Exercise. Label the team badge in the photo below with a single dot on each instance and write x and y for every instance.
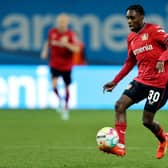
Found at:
(144, 37)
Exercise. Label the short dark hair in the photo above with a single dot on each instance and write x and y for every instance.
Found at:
(138, 8)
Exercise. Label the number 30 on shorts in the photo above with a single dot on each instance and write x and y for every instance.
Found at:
(153, 96)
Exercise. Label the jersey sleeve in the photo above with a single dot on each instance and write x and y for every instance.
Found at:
(127, 67)
(164, 56)
(74, 38)
(159, 34)
(161, 37)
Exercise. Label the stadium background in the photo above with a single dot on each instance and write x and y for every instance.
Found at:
(103, 29)
(32, 134)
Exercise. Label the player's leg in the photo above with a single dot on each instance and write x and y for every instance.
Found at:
(162, 147)
(67, 80)
(121, 124)
(157, 130)
(164, 98)
(153, 126)
(154, 99)
(55, 74)
(67, 95)
(55, 89)
(132, 94)
(120, 116)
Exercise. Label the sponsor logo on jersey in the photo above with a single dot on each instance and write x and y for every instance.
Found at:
(143, 49)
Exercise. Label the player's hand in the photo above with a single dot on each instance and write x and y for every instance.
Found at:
(160, 66)
(64, 41)
(54, 43)
(44, 55)
(108, 87)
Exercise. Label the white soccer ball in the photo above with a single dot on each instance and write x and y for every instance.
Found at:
(107, 137)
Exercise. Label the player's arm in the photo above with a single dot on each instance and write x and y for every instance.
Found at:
(44, 53)
(72, 45)
(164, 55)
(162, 38)
(162, 59)
(127, 67)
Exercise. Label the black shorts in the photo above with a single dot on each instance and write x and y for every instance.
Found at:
(156, 97)
(66, 75)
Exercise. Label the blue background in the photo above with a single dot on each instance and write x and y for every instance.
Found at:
(101, 25)
(104, 29)
(88, 82)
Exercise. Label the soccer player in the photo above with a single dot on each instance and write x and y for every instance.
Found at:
(147, 47)
(62, 43)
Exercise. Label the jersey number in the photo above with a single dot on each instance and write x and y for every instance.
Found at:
(153, 96)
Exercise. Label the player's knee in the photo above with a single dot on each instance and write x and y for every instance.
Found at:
(147, 123)
(119, 106)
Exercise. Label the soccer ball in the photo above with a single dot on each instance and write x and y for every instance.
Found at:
(107, 137)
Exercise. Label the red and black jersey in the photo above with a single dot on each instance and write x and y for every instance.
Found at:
(61, 57)
(145, 48)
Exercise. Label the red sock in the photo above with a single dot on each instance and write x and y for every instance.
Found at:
(121, 129)
(161, 135)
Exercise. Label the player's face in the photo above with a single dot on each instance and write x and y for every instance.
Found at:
(62, 23)
(135, 20)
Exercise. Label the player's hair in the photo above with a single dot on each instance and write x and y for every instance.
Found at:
(138, 8)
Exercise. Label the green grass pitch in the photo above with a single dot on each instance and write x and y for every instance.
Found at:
(40, 139)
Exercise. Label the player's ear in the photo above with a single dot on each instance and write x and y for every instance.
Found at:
(142, 17)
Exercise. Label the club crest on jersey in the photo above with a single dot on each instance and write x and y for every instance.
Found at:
(144, 37)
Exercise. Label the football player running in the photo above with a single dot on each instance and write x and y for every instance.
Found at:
(147, 48)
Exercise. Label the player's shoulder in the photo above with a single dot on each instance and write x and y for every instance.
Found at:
(131, 35)
(52, 30)
(71, 32)
(153, 27)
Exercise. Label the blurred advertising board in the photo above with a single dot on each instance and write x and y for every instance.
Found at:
(30, 87)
